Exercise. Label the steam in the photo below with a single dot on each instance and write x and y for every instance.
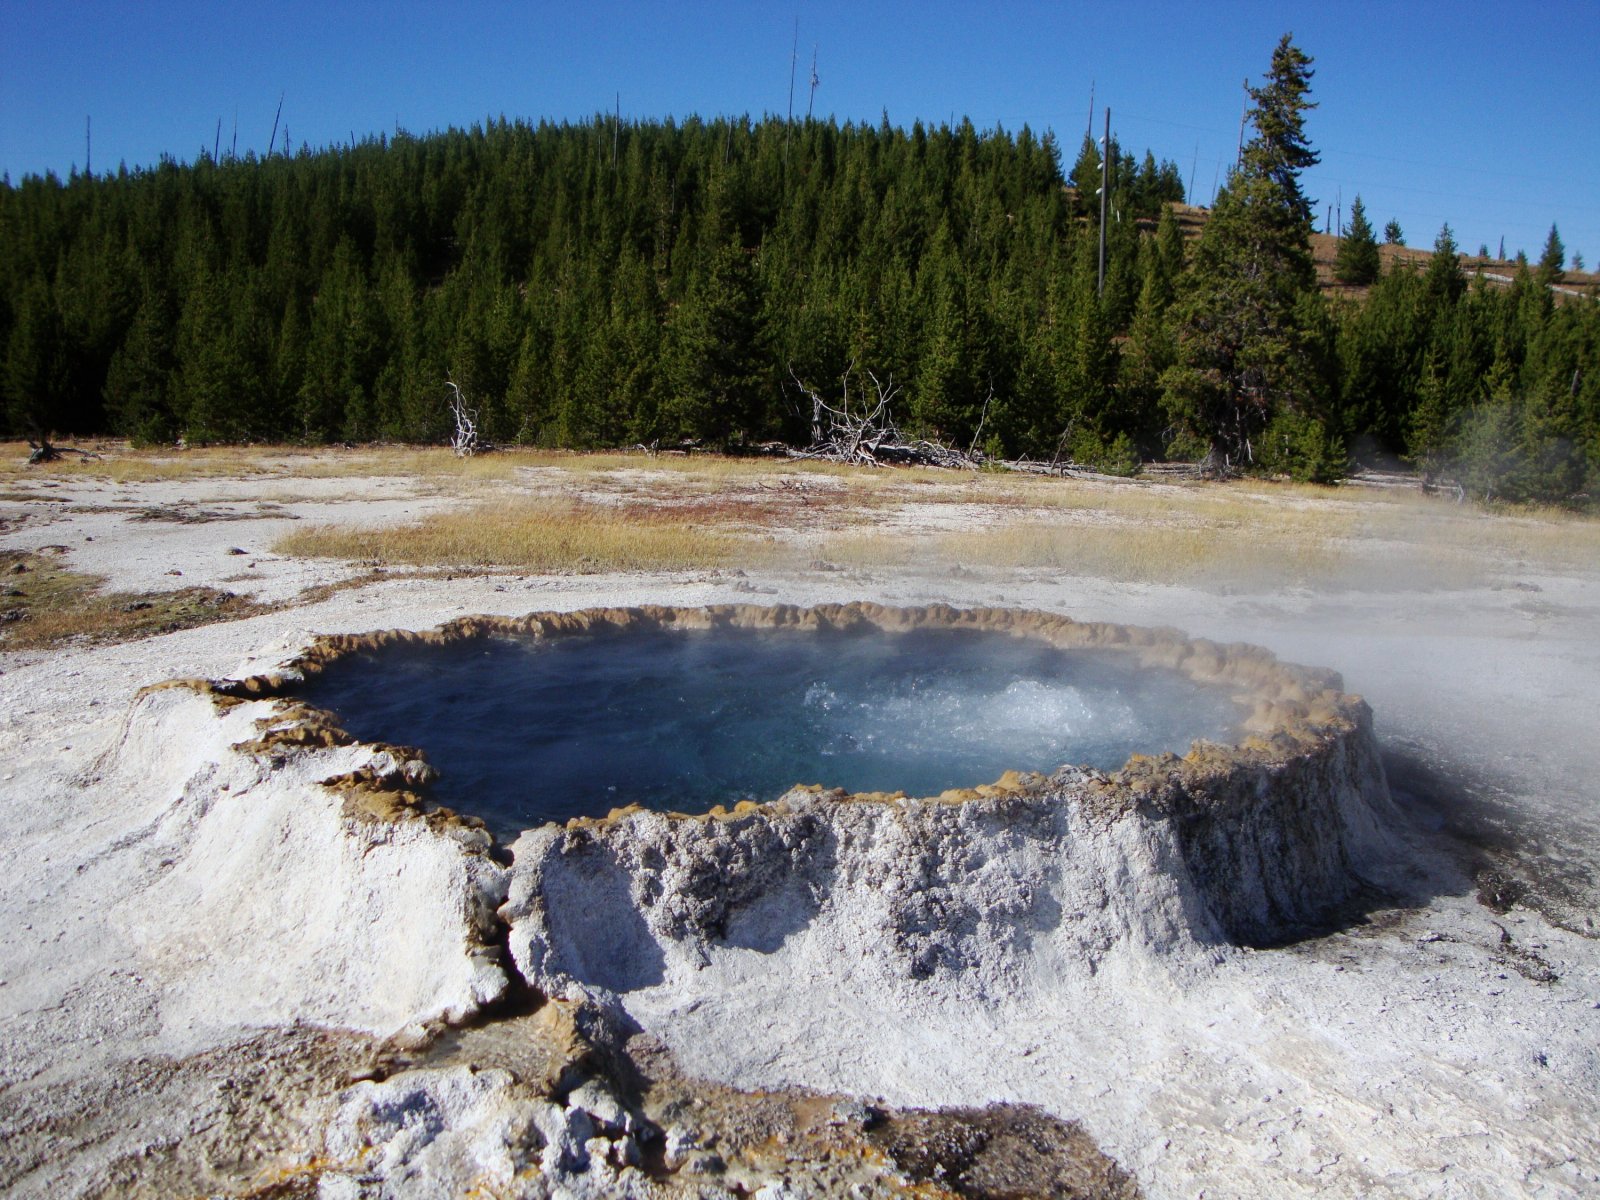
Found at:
(940, 717)
(526, 732)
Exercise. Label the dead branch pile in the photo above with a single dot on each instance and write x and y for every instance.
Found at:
(862, 430)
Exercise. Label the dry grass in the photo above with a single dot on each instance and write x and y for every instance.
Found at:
(708, 512)
(120, 463)
(1459, 544)
(1156, 554)
(635, 511)
(1250, 535)
(534, 535)
(712, 467)
(44, 605)
(1128, 532)
(1288, 552)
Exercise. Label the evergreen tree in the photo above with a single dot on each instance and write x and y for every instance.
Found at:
(206, 379)
(1085, 177)
(1150, 350)
(1245, 343)
(1431, 422)
(1357, 262)
(36, 364)
(1392, 234)
(288, 367)
(714, 354)
(1486, 451)
(1380, 347)
(944, 393)
(341, 347)
(1169, 253)
(1553, 261)
(1086, 366)
(1443, 281)
(1279, 150)
(138, 379)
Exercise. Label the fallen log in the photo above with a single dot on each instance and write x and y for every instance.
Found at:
(41, 451)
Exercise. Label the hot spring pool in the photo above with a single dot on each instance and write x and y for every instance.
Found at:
(527, 730)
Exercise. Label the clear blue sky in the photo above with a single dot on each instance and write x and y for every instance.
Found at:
(1483, 115)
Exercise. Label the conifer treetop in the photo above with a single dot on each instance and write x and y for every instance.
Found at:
(1279, 151)
(1357, 261)
(1552, 260)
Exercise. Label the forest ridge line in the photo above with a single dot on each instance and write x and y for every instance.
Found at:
(603, 283)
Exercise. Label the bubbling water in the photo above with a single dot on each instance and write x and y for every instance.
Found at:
(526, 731)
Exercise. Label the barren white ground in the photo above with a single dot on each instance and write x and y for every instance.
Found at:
(1407, 1057)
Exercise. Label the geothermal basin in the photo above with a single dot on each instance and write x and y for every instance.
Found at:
(934, 856)
(979, 788)
(526, 729)
(625, 743)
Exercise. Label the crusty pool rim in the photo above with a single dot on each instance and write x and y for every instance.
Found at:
(1289, 708)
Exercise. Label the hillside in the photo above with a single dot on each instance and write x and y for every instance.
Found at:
(1325, 248)
(696, 283)
(1497, 271)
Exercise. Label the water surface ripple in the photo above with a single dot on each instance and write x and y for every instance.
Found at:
(526, 731)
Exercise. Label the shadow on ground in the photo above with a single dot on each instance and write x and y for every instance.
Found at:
(1494, 838)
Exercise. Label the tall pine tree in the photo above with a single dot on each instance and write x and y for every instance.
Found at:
(1247, 318)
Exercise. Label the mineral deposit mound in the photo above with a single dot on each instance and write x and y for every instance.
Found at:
(720, 799)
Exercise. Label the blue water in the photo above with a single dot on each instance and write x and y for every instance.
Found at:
(525, 732)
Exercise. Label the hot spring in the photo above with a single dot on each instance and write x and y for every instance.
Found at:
(526, 730)
(986, 796)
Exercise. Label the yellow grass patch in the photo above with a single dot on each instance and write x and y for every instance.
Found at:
(708, 466)
(534, 535)
(121, 463)
(1127, 532)
(1445, 545)
(1250, 534)
(1156, 553)
(1117, 550)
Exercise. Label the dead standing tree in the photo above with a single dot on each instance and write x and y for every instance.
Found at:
(863, 430)
(465, 440)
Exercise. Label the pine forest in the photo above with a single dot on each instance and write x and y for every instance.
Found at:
(606, 284)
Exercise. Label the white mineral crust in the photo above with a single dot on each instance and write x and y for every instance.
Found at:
(165, 894)
(265, 903)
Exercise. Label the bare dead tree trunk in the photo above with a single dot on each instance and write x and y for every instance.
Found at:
(972, 448)
(275, 117)
(465, 441)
